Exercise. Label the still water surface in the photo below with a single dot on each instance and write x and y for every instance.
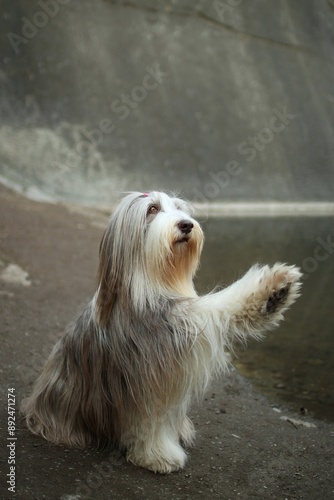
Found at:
(294, 365)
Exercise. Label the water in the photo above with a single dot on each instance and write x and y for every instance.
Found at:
(294, 365)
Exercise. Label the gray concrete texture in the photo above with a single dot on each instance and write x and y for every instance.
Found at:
(221, 101)
(247, 447)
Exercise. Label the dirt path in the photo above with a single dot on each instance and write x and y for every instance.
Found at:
(244, 449)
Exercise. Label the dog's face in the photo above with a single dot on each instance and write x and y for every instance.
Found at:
(173, 239)
(151, 241)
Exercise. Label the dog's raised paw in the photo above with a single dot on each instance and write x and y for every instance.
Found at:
(277, 298)
(285, 286)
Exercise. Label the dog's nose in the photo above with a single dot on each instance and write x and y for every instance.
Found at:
(185, 226)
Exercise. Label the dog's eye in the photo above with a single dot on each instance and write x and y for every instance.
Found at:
(153, 209)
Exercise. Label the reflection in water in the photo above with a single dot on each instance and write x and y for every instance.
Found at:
(294, 365)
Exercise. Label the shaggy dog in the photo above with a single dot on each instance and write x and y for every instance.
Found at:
(126, 369)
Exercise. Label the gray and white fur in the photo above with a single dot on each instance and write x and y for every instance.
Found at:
(126, 370)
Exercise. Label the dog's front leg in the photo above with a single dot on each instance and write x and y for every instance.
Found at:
(154, 443)
(257, 301)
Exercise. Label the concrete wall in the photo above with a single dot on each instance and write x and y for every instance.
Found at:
(222, 101)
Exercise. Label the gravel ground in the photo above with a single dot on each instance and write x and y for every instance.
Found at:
(245, 447)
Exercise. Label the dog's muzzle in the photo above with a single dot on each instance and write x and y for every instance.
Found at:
(185, 227)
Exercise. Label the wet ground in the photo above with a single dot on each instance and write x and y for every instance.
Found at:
(249, 445)
(294, 365)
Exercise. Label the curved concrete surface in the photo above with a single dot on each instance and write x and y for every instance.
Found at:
(221, 101)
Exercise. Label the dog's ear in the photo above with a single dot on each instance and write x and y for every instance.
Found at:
(108, 279)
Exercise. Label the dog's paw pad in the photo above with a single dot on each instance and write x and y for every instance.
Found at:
(277, 298)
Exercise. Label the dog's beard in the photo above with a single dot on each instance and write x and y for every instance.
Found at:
(172, 257)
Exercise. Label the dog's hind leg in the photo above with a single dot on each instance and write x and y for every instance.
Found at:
(187, 432)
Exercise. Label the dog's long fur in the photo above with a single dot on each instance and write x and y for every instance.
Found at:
(125, 371)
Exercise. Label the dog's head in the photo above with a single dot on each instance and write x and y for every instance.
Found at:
(151, 248)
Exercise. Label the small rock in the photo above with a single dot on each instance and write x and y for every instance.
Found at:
(297, 423)
(15, 275)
